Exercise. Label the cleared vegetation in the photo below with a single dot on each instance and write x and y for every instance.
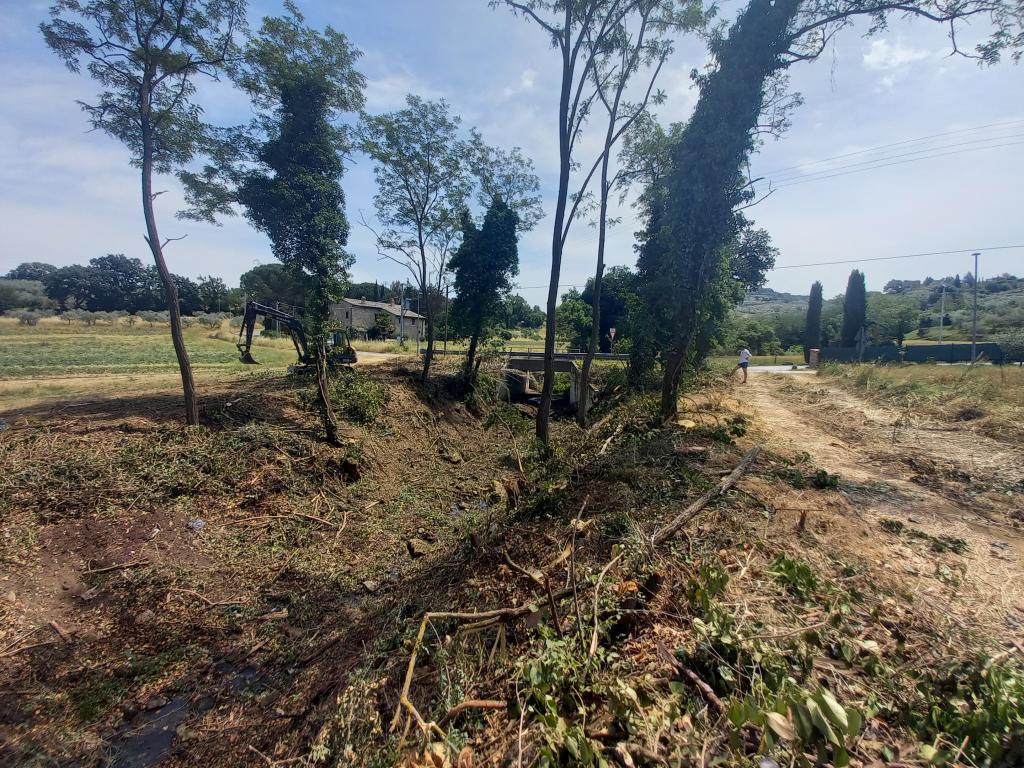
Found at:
(243, 589)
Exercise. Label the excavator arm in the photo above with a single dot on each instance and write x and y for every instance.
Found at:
(254, 309)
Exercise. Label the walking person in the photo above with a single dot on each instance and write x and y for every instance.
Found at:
(745, 356)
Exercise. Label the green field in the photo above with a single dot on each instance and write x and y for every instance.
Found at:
(55, 348)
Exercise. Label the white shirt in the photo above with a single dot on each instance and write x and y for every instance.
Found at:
(745, 356)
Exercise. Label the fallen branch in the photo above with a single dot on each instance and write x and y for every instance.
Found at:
(61, 633)
(121, 567)
(670, 529)
(461, 707)
(706, 691)
(304, 515)
(210, 603)
(16, 651)
(612, 436)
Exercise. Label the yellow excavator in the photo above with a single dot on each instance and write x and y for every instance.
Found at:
(338, 354)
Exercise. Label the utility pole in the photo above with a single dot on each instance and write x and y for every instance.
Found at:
(974, 313)
(401, 317)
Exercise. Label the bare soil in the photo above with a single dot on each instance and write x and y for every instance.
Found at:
(942, 479)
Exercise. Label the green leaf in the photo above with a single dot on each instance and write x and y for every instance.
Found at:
(928, 752)
(802, 718)
(820, 722)
(854, 718)
(832, 709)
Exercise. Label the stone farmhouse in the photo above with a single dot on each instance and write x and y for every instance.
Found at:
(359, 316)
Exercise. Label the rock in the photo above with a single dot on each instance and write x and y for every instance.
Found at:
(498, 492)
(371, 586)
(417, 547)
(129, 709)
(196, 525)
(185, 733)
(394, 576)
(12, 598)
(154, 703)
(145, 617)
(452, 455)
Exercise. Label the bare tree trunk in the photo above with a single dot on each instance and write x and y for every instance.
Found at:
(424, 275)
(326, 410)
(670, 385)
(171, 291)
(595, 314)
(565, 168)
(474, 341)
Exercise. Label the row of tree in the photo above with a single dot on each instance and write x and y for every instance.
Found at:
(442, 190)
(111, 283)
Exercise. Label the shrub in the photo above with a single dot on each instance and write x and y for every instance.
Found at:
(27, 316)
(356, 397)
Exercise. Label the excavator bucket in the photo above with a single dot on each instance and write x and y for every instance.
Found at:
(247, 358)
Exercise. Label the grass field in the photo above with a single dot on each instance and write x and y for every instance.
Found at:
(991, 396)
(55, 348)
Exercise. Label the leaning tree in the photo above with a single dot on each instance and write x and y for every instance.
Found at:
(146, 56)
(745, 83)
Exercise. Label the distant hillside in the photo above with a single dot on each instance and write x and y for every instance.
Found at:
(768, 300)
(770, 321)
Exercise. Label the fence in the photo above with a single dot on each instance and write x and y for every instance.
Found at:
(913, 353)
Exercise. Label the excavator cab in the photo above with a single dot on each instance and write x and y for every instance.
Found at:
(340, 352)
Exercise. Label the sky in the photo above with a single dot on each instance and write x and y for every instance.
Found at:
(948, 177)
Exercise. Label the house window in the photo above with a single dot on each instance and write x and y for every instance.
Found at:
(346, 314)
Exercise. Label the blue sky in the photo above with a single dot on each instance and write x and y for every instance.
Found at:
(67, 195)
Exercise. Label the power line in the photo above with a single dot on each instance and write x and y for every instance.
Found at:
(905, 256)
(983, 249)
(898, 162)
(895, 144)
(794, 177)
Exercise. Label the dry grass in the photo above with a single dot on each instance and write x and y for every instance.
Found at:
(294, 608)
(990, 398)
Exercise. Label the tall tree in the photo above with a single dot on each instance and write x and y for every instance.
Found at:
(294, 193)
(642, 44)
(423, 180)
(213, 293)
(275, 282)
(812, 326)
(743, 94)
(425, 174)
(31, 270)
(581, 32)
(855, 309)
(484, 265)
(147, 56)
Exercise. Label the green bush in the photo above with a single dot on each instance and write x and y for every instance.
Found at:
(356, 397)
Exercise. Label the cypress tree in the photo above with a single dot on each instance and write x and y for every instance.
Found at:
(855, 309)
(812, 327)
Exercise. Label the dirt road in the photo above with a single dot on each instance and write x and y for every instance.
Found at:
(936, 478)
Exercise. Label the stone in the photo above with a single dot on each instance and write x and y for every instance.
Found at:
(417, 547)
(498, 492)
(371, 586)
(154, 702)
(12, 598)
(145, 617)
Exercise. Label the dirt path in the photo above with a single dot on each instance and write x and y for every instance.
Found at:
(939, 479)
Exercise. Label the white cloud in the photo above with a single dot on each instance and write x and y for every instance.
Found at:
(527, 80)
(884, 56)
